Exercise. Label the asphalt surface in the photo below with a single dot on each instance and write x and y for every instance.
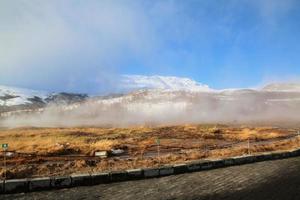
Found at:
(279, 179)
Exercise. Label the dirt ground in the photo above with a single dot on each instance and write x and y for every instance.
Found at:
(35, 152)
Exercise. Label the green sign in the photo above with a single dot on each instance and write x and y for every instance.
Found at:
(157, 141)
(4, 146)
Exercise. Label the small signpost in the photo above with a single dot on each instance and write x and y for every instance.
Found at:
(157, 141)
(4, 147)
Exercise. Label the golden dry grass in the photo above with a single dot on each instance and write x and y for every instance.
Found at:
(137, 141)
(87, 140)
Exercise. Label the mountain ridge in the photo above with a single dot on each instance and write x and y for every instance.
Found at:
(149, 89)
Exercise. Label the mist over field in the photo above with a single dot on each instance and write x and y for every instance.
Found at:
(159, 107)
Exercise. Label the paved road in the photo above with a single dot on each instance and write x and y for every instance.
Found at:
(278, 179)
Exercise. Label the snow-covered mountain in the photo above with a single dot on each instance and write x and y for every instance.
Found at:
(135, 82)
(158, 106)
(13, 98)
(154, 99)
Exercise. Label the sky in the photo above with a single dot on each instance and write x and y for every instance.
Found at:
(86, 45)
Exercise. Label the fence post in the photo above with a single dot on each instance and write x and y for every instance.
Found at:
(4, 165)
(248, 146)
(158, 150)
(4, 147)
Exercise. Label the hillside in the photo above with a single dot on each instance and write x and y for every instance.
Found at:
(169, 103)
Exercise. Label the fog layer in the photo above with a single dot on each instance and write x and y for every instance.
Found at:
(167, 107)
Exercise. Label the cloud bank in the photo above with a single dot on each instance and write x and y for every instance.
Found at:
(77, 44)
(83, 46)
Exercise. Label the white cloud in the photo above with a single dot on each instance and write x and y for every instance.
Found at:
(79, 39)
(80, 45)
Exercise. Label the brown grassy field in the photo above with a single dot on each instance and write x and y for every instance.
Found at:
(61, 151)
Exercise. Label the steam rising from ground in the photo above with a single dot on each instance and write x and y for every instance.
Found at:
(168, 107)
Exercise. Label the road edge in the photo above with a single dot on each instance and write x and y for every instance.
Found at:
(49, 183)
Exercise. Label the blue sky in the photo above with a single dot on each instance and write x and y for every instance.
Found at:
(84, 46)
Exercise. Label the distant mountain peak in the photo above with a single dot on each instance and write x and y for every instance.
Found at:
(134, 82)
(12, 98)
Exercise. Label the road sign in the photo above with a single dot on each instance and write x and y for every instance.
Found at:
(157, 141)
(5, 146)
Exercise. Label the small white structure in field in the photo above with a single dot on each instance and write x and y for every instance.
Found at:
(102, 154)
(9, 154)
(117, 151)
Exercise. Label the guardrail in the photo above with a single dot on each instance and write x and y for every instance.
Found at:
(47, 183)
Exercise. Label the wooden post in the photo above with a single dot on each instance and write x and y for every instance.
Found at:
(4, 147)
(158, 150)
(4, 164)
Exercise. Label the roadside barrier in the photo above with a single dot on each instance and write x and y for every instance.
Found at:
(47, 183)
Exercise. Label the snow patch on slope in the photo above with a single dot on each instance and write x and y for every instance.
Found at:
(134, 82)
(11, 96)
